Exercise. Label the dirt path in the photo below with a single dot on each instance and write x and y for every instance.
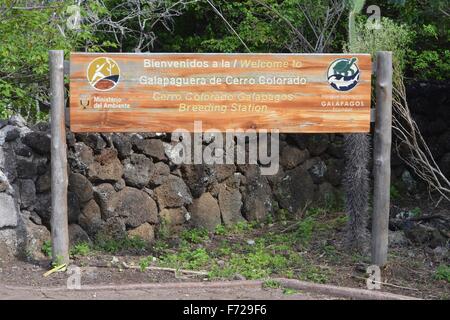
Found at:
(22, 280)
(237, 290)
(229, 256)
(218, 290)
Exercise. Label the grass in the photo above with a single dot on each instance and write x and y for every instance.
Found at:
(230, 254)
(195, 235)
(160, 246)
(46, 248)
(289, 291)
(309, 249)
(144, 263)
(242, 226)
(238, 228)
(305, 229)
(80, 249)
(185, 259)
(102, 243)
(394, 192)
(114, 245)
(220, 230)
(443, 273)
(271, 284)
(416, 212)
(314, 274)
(163, 229)
(282, 215)
(330, 252)
(271, 252)
(256, 264)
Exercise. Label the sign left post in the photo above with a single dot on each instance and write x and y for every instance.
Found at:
(59, 184)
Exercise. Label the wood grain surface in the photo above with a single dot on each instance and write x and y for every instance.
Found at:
(224, 91)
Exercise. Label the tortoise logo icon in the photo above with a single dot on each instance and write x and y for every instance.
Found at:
(343, 74)
(103, 73)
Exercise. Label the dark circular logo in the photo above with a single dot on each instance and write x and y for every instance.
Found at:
(343, 74)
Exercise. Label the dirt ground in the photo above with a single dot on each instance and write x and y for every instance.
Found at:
(417, 282)
(231, 290)
(411, 269)
(25, 281)
(108, 283)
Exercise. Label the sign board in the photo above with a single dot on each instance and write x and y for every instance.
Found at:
(162, 92)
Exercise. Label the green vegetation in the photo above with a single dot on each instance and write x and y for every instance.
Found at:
(314, 274)
(272, 284)
(160, 246)
(394, 192)
(418, 32)
(245, 249)
(163, 229)
(391, 37)
(251, 25)
(282, 215)
(305, 229)
(416, 212)
(428, 56)
(330, 252)
(46, 248)
(241, 227)
(25, 38)
(443, 273)
(195, 235)
(255, 263)
(114, 245)
(289, 291)
(220, 230)
(334, 201)
(185, 259)
(237, 228)
(144, 263)
(80, 249)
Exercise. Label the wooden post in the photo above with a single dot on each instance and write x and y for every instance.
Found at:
(382, 158)
(59, 218)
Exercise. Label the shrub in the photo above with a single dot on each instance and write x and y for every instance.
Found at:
(443, 273)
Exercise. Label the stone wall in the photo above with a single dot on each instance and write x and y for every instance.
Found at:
(24, 179)
(126, 184)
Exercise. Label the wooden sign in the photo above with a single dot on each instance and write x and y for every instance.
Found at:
(161, 92)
